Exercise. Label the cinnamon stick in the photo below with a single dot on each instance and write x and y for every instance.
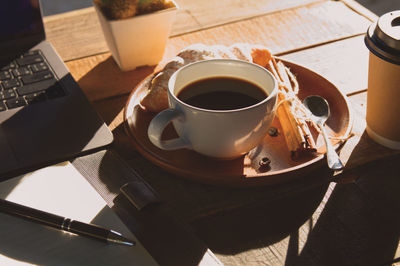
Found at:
(290, 111)
(287, 128)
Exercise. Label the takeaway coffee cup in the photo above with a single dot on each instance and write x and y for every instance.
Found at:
(383, 97)
(220, 108)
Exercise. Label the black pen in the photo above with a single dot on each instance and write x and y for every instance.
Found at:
(65, 224)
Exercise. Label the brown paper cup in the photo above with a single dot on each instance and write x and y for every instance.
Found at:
(383, 102)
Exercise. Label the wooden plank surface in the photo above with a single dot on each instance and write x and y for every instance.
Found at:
(309, 221)
(330, 61)
(75, 34)
(360, 9)
(281, 32)
(78, 33)
(206, 14)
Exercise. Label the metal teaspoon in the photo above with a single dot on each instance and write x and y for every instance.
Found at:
(319, 109)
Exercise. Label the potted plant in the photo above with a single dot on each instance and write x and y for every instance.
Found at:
(136, 31)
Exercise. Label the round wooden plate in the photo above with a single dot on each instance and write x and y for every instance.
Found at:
(245, 171)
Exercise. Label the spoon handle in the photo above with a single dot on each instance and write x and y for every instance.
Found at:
(332, 157)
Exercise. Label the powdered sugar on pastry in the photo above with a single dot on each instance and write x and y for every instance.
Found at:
(241, 51)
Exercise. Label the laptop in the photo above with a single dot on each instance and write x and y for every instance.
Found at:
(45, 117)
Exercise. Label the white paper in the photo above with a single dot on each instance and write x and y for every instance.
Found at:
(62, 190)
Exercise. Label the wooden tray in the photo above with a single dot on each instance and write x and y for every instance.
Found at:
(244, 171)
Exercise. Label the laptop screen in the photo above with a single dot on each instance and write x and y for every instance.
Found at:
(20, 23)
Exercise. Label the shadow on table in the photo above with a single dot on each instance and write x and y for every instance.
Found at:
(356, 223)
(366, 153)
(106, 80)
(359, 224)
(265, 223)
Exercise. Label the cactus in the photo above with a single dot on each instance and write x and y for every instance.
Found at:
(120, 9)
(148, 6)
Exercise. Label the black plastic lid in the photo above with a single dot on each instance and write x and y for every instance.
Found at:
(383, 37)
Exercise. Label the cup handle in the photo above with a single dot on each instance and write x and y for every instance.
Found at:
(157, 126)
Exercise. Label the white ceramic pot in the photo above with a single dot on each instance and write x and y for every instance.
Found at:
(139, 40)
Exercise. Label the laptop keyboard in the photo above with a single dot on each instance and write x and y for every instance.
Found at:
(27, 80)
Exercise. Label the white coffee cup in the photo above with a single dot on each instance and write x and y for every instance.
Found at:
(223, 134)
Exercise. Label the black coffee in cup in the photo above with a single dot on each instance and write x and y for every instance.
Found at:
(222, 93)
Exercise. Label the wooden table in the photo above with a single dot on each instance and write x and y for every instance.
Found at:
(349, 218)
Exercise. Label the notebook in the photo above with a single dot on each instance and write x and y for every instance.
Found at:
(62, 190)
(44, 116)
